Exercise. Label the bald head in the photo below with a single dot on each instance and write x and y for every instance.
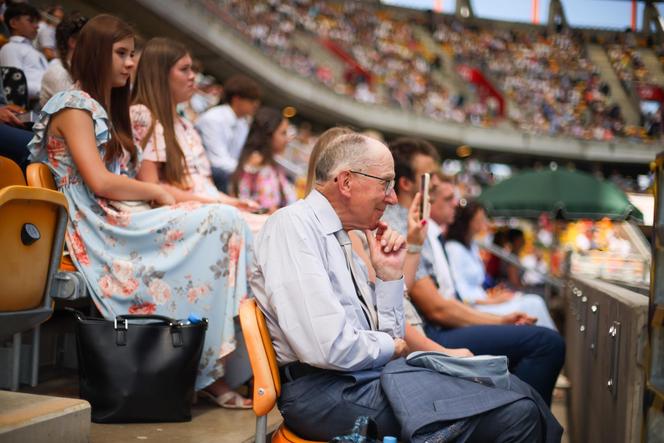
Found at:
(350, 152)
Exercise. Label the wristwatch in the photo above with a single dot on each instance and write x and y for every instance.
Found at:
(412, 248)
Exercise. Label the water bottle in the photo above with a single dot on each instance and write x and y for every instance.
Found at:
(389, 439)
(364, 431)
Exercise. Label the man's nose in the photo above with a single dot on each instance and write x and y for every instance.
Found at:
(391, 197)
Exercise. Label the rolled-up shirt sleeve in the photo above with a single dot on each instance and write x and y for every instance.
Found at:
(389, 304)
(311, 316)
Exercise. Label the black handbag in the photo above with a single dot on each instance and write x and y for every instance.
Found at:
(138, 368)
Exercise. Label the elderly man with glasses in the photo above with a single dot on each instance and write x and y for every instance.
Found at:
(338, 337)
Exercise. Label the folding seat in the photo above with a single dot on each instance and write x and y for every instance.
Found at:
(32, 228)
(267, 384)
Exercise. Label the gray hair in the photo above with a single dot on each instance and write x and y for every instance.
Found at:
(348, 151)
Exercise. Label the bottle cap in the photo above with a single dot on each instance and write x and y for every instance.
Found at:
(389, 439)
(194, 318)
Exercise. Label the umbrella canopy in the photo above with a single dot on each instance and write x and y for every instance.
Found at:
(562, 193)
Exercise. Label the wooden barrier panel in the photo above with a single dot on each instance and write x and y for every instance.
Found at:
(606, 333)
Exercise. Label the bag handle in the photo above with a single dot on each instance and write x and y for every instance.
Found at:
(121, 325)
(128, 317)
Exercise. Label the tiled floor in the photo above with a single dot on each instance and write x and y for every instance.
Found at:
(209, 424)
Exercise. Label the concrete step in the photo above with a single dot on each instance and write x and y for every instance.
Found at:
(319, 54)
(446, 76)
(627, 103)
(39, 418)
(653, 65)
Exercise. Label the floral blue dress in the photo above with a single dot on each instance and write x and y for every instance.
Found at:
(173, 260)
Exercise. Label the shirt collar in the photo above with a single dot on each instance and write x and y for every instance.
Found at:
(20, 39)
(324, 212)
(434, 228)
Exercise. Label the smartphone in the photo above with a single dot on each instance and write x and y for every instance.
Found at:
(425, 204)
(27, 117)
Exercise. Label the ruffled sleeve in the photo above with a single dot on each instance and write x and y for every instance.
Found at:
(71, 99)
(141, 120)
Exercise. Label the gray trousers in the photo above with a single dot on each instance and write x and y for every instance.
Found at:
(325, 405)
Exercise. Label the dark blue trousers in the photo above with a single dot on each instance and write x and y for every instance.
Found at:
(536, 354)
(14, 144)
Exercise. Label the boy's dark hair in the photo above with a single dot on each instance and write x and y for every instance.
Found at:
(403, 150)
(18, 9)
(242, 87)
(68, 28)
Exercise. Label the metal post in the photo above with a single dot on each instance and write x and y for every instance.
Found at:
(16, 361)
(34, 373)
(261, 429)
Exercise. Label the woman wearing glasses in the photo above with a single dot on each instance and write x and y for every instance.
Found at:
(258, 177)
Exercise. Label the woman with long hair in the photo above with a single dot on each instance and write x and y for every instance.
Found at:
(466, 265)
(172, 259)
(173, 153)
(258, 176)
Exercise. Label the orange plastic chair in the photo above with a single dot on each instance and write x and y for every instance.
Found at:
(32, 229)
(267, 385)
(39, 176)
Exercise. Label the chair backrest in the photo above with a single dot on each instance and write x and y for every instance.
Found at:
(15, 85)
(39, 176)
(10, 173)
(32, 226)
(267, 385)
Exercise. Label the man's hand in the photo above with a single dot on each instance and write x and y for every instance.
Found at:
(518, 318)
(400, 348)
(499, 295)
(387, 250)
(9, 117)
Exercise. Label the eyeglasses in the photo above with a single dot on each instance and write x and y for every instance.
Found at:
(389, 182)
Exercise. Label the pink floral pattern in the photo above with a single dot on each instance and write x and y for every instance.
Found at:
(268, 186)
(174, 261)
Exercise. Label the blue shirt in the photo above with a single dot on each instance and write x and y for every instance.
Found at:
(305, 289)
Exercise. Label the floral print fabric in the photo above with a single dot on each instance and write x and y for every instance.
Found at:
(268, 186)
(173, 260)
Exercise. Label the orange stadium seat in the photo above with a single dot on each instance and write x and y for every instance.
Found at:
(267, 385)
(39, 176)
(32, 228)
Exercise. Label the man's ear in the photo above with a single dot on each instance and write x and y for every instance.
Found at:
(343, 183)
(9, 24)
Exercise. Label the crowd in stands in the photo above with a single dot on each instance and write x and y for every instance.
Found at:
(551, 85)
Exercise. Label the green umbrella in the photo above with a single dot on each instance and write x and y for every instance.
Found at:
(561, 193)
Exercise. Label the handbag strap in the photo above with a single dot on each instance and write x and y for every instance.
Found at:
(128, 317)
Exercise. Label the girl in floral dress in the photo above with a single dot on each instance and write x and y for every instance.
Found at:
(172, 152)
(174, 259)
(258, 176)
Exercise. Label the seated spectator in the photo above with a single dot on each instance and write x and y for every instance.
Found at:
(469, 275)
(22, 20)
(14, 136)
(224, 128)
(536, 354)
(173, 154)
(258, 176)
(46, 39)
(57, 77)
(414, 334)
(173, 259)
(335, 335)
